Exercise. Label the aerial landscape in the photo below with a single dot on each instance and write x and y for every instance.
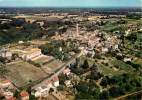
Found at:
(70, 50)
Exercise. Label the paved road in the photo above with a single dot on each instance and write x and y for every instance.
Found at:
(127, 95)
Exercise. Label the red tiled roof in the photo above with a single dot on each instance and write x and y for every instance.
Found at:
(24, 94)
(6, 81)
(55, 79)
(48, 82)
(12, 98)
(67, 70)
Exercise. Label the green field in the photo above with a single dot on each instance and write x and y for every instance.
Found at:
(106, 70)
(122, 65)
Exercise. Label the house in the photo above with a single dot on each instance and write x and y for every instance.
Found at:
(24, 95)
(127, 59)
(90, 52)
(41, 23)
(8, 95)
(12, 98)
(21, 42)
(4, 83)
(55, 81)
(41, 91)
(66, 71)
(105, 50)
(128, 32)
(68, 83)
(49, 84)
(5, 54)
(116, 47)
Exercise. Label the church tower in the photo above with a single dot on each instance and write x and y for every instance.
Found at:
(77, 30)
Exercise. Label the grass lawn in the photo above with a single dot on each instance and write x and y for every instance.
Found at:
(122, 65)
(22, 73)
(109, 28)
(106, 70)
(138, 61)
(133, 21)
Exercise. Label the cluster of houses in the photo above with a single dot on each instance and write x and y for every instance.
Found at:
(5, 87)
(7, 91)
(89, 42)
(43, 89)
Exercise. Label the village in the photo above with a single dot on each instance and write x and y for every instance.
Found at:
(86, 59)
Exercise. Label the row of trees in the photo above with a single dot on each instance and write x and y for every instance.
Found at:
(133, 16)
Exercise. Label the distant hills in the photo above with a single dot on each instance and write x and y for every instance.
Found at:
(67, 9)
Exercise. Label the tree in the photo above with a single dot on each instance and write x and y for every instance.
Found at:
(132, 37)
(128, 87)
(77, 63)
(16, 93)
(96, 93)
(13, 34)
(83, 96)
(81, 87)
(14, 56)
(86, 64)
(2, 60)
(60, 88)
(95, 75)
(51, 90)
(94, 67)
(3, 70)
(66, 57)
(29, 89)
(104, 81)
(104, 95)
(62, 79)
(116, 91)
(133, 16)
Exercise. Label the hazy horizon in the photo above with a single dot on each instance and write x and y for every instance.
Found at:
(72, 3)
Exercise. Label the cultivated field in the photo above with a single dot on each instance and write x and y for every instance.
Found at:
(22, 73)
(52, 66)
(44, 59)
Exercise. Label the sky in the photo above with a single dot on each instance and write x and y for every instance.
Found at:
(70, 3)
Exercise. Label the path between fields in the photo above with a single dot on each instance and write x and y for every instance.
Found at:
(124, 96)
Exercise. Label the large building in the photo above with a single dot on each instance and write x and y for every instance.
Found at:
(5, 54)
(30, 54)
